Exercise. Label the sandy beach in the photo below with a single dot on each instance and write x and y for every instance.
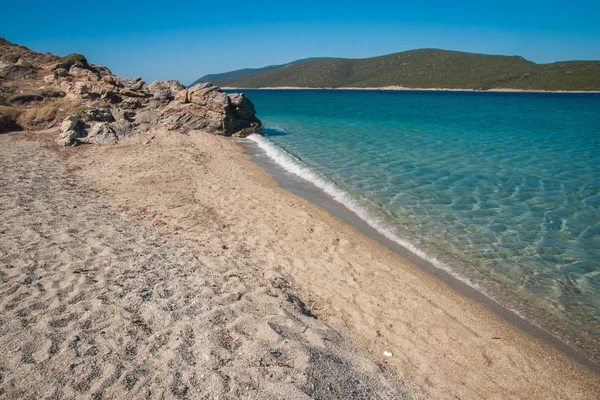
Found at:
(172, 266)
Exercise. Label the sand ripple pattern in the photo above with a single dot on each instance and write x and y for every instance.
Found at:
(97, 304)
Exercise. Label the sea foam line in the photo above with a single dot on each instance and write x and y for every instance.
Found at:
(291, 164)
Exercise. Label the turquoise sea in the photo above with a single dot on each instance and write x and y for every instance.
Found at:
(500, 189)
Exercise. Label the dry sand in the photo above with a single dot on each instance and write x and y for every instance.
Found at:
(184, 270)
(102, 300)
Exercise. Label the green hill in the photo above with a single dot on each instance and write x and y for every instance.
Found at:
(248, 71)
(428, 68)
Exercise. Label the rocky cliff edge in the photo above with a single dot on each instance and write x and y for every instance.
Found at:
(89, 104)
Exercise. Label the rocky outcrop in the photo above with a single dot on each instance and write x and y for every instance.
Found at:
(165, 91)
(17, 72)
(132, 107)
(68, 131)
(104, 108)
(241, 119)
(204, 106)
(91, 126)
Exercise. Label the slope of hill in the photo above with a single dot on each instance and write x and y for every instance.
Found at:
(90, 104)
(239, 73)
(429, 68)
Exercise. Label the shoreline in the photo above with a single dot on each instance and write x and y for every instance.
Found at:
(247, 236)
(526, 336)
(407, 89)
(314, 194)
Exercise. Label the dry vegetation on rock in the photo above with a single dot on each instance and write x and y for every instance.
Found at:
(42, 90)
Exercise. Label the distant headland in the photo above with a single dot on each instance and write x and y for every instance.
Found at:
(420, 69)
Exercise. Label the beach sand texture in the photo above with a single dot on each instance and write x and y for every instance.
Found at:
(102, 304)
(172, 266)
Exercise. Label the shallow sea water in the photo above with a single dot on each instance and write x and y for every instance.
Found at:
(502, 189)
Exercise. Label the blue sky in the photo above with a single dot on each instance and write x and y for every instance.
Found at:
(188, 39)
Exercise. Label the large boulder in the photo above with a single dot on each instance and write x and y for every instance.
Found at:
(97, 133)
(131, 83)
(138, 85)
(124, 107)
(91, 126)
(165, 90)
(18, 72)
(207, 94)
(68, 131)
(241, 117)
(182, 97)
(189, 117)
(205, 106)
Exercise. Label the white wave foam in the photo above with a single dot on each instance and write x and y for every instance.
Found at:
(298, 168)
(291, 164)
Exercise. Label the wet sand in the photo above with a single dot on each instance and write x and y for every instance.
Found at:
(212, 237)
(315, 195)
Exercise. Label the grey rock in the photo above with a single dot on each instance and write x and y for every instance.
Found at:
(205, 106)
(132, 103)
(102, 70)
(133, 93)
(139, 85)
(69, 123)
(179, 389)
(123, 128)
(98, 133)
(145, 118)
(132, 108)
(241, 117)
(112, 97)
(68, 130)
(18, 72)
(165, 90)
(187, 117)
(75, 130)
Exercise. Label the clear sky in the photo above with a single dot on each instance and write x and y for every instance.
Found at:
(185, 40)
